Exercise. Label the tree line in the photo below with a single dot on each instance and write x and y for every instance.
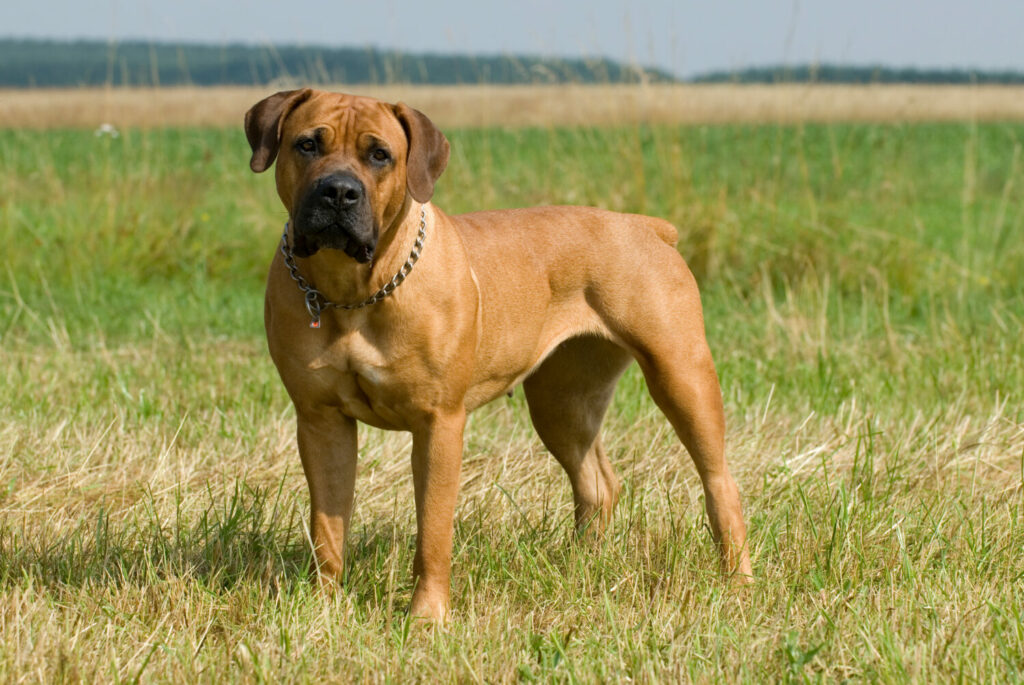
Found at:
(831, 73)
(46, 63)
(41, 63)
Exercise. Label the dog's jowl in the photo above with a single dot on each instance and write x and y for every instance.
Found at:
(383, 309)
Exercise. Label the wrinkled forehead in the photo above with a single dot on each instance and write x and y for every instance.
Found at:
(347, 115)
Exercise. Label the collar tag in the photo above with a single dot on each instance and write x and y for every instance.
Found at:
(313, 307)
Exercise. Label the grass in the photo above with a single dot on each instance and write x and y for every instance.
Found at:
(476, 106)
(863, 300)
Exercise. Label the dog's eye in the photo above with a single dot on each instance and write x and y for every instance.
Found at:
(380, 155)
(307, 145)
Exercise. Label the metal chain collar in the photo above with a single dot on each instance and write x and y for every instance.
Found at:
(315, 300)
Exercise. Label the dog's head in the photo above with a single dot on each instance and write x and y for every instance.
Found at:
(346, 165)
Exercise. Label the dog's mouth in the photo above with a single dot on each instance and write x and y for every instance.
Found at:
(352, 231)
(360, 252)
(333, 238)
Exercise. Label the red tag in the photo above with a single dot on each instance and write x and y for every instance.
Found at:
(315, 323)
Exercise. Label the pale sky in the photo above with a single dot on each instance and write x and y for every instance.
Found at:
(685, 37)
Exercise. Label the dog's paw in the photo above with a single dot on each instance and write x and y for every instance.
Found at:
(429, 607)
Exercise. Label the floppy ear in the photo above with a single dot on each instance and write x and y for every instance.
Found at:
(428, 152)
(263, 124)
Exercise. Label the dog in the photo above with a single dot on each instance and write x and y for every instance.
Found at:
(383, 309)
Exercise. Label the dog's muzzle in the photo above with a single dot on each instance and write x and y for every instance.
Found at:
(335, 214)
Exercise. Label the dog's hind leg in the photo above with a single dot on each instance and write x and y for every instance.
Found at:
(568, 395)
(685, 387)
(670, 345)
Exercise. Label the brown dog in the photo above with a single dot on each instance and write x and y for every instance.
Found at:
(559, 299)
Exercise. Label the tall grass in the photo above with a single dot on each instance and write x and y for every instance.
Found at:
(863, 301)
(536, 105)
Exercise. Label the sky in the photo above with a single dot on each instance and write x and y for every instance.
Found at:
(685, 37)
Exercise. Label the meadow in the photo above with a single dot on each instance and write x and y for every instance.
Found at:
(864, 302)
(535, 105)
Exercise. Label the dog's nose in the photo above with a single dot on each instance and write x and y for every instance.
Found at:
(342, 191)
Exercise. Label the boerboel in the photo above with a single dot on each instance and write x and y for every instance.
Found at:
(383, 309)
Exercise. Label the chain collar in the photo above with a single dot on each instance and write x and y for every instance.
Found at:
(315, 300)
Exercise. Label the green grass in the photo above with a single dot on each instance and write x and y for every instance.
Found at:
(865, 306)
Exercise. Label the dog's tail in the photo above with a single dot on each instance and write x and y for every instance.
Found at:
(664, 229)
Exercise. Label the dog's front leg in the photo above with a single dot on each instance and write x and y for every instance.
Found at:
(436, 463)
(328, 446)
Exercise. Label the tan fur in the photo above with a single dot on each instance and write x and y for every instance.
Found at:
(558, 299)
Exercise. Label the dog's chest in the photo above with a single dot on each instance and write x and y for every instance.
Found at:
(362, 381)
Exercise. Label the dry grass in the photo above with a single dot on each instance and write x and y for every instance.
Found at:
(481, 106)
(170, 550)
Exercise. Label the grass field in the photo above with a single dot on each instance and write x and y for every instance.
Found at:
(864, 301)
(537, 105)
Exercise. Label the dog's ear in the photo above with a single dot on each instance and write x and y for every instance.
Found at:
(428, 152)
(263, 124)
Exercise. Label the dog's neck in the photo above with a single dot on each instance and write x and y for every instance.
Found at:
(343, 280)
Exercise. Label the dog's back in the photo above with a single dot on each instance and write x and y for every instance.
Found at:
(555, 227)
